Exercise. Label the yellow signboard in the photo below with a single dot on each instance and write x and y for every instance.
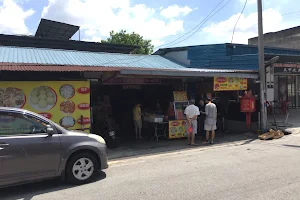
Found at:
(65, 102)
(177, 129)
(180, 96)
(230, 84)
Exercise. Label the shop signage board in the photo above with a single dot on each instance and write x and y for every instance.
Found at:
(135, 81)
(230, 84)
(177, 129)
(286, 70)
(180, 96)
(65, 102)
(131, 87)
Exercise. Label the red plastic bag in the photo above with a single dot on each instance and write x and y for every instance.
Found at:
(190, 129)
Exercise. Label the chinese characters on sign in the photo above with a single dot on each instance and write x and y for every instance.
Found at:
(290, 70)
(230, 84)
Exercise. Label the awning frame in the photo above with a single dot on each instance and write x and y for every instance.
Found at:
(190, 74)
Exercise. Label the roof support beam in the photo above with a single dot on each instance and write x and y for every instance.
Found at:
(184, 74)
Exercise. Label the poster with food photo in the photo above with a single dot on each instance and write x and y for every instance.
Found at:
(177, 129)
(65, 102)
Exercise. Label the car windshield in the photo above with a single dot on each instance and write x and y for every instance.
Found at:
(48, 120)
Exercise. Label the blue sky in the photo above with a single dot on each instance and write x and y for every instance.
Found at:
(161, 21)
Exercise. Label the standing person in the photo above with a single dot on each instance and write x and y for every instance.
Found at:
(171, 112)
(211, 120)
(137, 119)
(192, 113)
(202, 119)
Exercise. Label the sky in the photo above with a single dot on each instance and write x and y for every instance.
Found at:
(168, 23)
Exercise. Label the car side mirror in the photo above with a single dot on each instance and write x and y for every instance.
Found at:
(50, 130)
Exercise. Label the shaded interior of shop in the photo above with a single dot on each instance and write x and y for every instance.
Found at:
(117, 102)
(122, 99)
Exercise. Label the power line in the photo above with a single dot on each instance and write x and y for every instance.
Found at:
(238, 20)
(198, 27)
(291, 13)
(203, 21)
(200, 24)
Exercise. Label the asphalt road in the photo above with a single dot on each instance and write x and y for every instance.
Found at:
(254, 170)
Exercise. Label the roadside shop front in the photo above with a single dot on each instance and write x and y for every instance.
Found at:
(80, 102)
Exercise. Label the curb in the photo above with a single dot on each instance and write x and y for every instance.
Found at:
(193, 149)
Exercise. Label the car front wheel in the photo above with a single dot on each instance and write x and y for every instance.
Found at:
(81, 168)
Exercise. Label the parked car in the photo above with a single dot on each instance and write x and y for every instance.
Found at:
(34, 148)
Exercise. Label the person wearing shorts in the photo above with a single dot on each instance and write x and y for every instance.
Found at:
(137, 120)
(210, 124)
(192, 112)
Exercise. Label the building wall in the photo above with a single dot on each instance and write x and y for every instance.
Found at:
(289, 38)
(178, 56)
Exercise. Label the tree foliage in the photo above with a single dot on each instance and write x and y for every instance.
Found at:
(122, 37)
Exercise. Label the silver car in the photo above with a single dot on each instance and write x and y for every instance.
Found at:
(34, 148)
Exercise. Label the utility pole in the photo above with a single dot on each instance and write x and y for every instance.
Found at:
(262, 71)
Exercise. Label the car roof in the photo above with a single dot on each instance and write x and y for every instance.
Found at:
(21, 111)
(12, 109)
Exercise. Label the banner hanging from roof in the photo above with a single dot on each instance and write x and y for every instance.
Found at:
(230, 84)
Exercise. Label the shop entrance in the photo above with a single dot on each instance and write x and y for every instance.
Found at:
(117, 102)
(285, 88)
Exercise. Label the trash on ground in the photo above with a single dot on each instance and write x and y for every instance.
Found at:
(272, 134)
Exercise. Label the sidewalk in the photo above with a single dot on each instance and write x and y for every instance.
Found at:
(141, 148)
(292, 123)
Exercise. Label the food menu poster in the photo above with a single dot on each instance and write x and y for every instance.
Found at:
(63, 102)
(230, 84)
(180, 96)
(177, 129)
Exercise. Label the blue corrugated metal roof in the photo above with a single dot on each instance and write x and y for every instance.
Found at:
(68, 57)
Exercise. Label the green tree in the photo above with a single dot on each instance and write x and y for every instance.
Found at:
(122, 37)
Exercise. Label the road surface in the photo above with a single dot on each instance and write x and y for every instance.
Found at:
(254, 170)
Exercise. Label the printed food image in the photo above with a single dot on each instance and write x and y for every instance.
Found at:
(67, 91)
(181, 129)
(173, 131)
(67, 106)
(42, 98)
(12, 97)
(67, 122)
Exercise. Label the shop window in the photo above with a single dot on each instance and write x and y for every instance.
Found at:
(19, 124)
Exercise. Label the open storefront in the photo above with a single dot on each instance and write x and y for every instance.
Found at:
(81, 102)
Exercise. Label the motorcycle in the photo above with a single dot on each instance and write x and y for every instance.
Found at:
(109, 134)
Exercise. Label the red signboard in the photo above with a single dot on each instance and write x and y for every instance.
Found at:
(135, 81)
(248, 104)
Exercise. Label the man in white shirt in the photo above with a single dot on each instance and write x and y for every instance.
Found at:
(192, 113)
(211, 120)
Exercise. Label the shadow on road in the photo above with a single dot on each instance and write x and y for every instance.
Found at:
(293, 146)
(248, 141)
(28, 191)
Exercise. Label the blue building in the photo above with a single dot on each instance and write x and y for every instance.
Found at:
(282, 78)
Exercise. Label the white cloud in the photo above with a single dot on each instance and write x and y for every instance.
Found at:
(98, 18)
(175, 11)
(12, 18)
(92, 39)
(246, 27)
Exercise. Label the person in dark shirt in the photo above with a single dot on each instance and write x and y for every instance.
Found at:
(201, 119)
